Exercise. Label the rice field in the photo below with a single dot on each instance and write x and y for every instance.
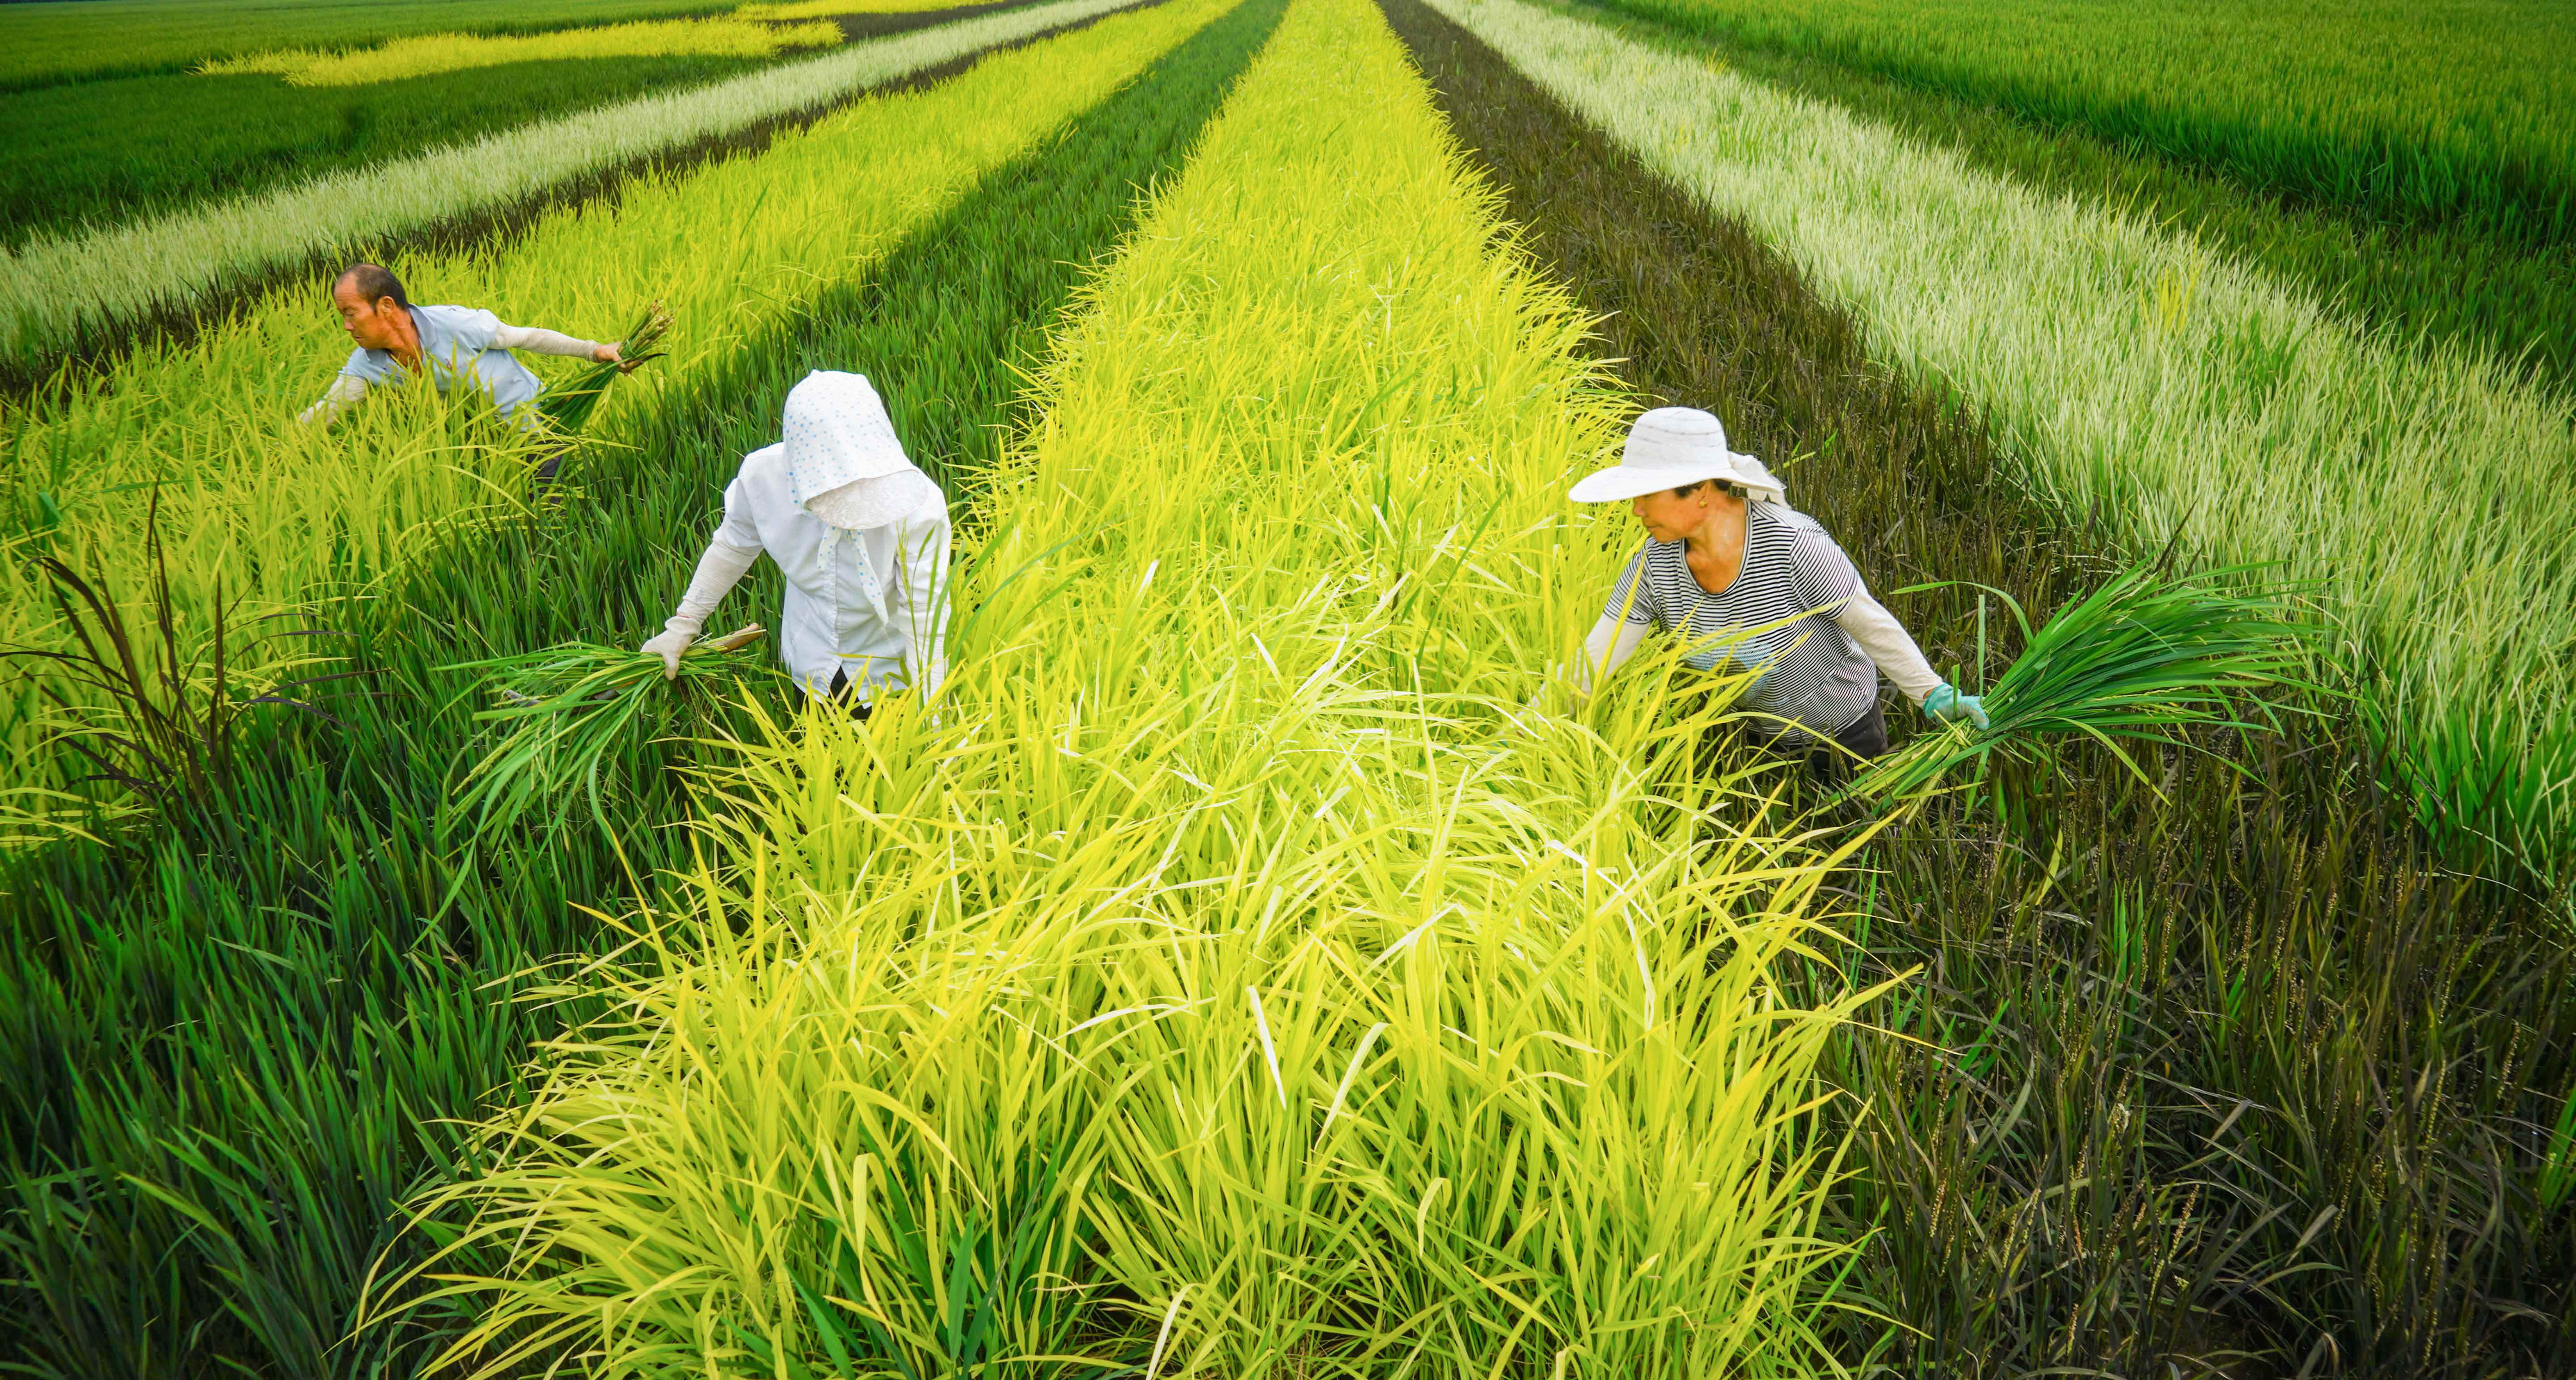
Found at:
(1253, 960)
(430, 54)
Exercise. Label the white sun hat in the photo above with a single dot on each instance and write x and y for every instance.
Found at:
(843, 461)
(1671, 447)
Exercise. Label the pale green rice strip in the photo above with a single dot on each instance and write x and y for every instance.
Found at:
(2139, 371)
(55, 288)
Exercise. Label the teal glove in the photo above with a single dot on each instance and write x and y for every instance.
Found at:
(1946, 705)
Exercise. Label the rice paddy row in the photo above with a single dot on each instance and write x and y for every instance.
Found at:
(2106, 979)
(2182, 397)
(256, 1022)
(2439, 111)
(1226, 980)
(88, 291)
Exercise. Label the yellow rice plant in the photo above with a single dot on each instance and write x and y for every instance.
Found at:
(428, 54)
(785, 10)
(1223, 978)
(735, 249)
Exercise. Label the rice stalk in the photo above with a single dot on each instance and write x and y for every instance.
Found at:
(2148, 658)
(569, 710)
(569, 407)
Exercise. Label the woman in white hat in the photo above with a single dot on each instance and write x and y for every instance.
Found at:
(1729, 566)
(862, 536)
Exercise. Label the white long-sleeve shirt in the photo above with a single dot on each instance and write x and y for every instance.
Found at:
(456, 342)
(872, 603)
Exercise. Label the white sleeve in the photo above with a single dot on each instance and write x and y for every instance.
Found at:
(1879, 634)
(538, 340)
(923, 551)
(1611, 642)
(344, 390)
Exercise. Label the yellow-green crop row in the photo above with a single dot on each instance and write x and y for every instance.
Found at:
(2145, 378)
(280, 514)
(1221, 979)
(56, 291)
(820, 9)
(432, 53)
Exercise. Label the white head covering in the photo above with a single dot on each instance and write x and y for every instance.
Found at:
(1674, 446)
(843, 461)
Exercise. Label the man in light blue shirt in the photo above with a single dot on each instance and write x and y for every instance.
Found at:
(450, 344)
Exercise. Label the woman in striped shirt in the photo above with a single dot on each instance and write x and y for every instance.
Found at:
(1730, 567)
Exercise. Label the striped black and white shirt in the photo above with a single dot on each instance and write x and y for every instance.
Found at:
(1786, 615)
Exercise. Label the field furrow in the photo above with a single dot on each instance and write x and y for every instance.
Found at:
(2001, 922)
(1226, 979)
(2181, 396)
(60, 293)
(250, 1028)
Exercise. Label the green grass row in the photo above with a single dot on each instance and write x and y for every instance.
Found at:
(97, 152)
(2419, 109)
(2441, 282)
(46, 42)
(250, 1028)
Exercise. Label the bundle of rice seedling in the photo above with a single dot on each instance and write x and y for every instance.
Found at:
(568, 708)
(2146, 658)
(569, 408)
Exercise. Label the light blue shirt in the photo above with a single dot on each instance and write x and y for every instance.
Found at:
(456, 343)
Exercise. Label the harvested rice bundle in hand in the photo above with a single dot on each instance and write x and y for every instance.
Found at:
(569, 408)
(2145, 658)
(569, 708)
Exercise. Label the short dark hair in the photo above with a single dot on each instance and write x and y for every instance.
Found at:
(374, 283)
(1733, 489)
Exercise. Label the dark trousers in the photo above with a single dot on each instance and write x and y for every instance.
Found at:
(846, 694)
(1865, 737)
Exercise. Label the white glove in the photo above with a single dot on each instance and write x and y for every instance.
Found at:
(718, 571)
(668, 645)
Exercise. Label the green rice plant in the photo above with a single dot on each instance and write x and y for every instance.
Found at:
(2426, 112)
(157, 713)
(2142, 377)
(569, 407)
(428, 54)
(2446, 281)
(1332, 1015)
(2146, 659)
(100, 153)
(567, 711)
(58, 291)
(167, 1218)
(51, 43)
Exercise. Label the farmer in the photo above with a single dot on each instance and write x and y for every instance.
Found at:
(861, 535)
(450, 343)
(1731, 567)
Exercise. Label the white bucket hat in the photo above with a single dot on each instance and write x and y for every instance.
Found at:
(843, 461)
(1671, 447)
